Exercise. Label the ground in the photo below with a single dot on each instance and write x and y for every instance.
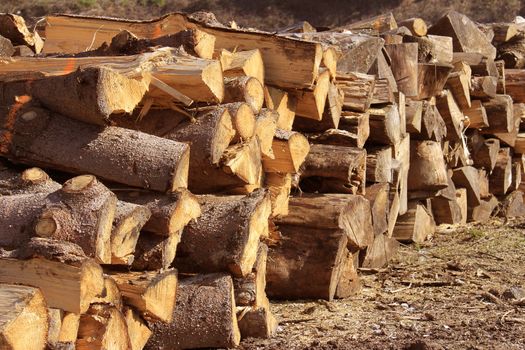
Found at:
(464, 289)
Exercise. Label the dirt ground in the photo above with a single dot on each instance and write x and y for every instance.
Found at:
(464, 289)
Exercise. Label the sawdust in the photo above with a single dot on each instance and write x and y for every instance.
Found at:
(464, 289)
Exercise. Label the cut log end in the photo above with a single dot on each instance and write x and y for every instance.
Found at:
(79, 184)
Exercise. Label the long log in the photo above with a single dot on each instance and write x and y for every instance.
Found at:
(35, 136)
(32, 180)
(274, 49)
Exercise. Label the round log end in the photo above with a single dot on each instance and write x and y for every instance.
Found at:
(34, 175)
(79, 184)
(46, 226)
(244, 121)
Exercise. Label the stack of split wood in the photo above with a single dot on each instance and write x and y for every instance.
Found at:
(192, 170)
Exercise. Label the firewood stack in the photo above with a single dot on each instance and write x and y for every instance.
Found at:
(192, 170)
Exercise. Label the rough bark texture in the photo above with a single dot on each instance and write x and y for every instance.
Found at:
(204, 316)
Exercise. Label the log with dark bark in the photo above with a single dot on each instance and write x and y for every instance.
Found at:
(32, 180)
(38, 137)
(204, 316)
(306, 263)
(334, 169)
(347, 213)
(379, 253)
(416, 225)
(501, 177)
(24, 318)
(68, 280)
(225, 237)
(13, 27)
(155, 252)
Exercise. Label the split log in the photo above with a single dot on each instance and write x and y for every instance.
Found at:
(13, 27)
(358, 124)
(257, 323)
(53, 326)
(349, 283)
(306, 263)
(383, 93)
(385, 126)
(155, 252)
(484, 191)
(432, 77)
(69, 329)
(334, 169)
(465, 34)
(337, 212)
(311, 103)
(486, 154)
(378, 164)
(244, 162)
(459, 84)
(194, 41)
(416, 225)
(401, 154)
(226, 236)
(102, 327)
(169, 213)
(477, 115)
(6, 47)
(381, 23)
(244, 89)
(414, 113)
(265, 129)
(331, 115)
(483, 88)
(24, 318)
(377, 195)
(67, 279)
(519, 146)
(468, 177)
(379, 253)
(111, 295)
(516, 174)
(483, 212)
(290, 150)
(150, 293)
(41, 138)
(279, 101)
(404, 64)
(250, 290)
(451, 114)
(443, 48)
(416, 25)
(427, 170)
(129, 220)
(512, 205)
(514, 80)
(204, 316)
(500, 114)
(32, 180)
(432, 124)
(358, 90)
(138, 332)
(279, 187)
(90, 94)
(243, 64)
(501, 177)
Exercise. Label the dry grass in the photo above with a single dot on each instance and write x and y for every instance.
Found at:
(272, 14)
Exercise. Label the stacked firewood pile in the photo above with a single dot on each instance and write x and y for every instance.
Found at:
(160, 180)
